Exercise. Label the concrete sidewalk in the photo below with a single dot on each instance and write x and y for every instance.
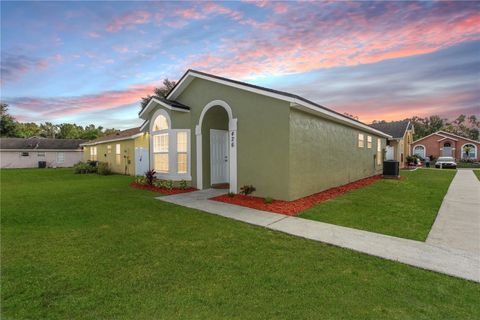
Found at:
(454, 262)
(458, 220)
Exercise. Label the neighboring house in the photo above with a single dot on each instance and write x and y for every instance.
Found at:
(211, 130)
(446, 144)
(26, 153)
(398, 147)
(126, 151)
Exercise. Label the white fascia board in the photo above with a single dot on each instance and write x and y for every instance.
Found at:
(293, 102)
(112, 140)
(456, 135)
(163, 104)
(144, 125)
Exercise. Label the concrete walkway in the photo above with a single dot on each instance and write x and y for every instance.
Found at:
(454, 262)
(458, 220)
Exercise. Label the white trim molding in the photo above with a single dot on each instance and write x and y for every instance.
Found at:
(232, 143)
(147, 108)
(86, 144)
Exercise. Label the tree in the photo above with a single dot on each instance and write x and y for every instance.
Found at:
(8, 125)
(48, 130)
(91, 132)
(27, 130)
(69, 131)
(162, 91)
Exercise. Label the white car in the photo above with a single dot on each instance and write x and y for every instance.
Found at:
(446, 162)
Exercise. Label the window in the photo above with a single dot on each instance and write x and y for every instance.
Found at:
(369, 142)
(93, 153)
(109, 149)
(24, 154)
(469, 151)
(182, 156)
(361, 142)
(118, 154)
(41, 154)
(60, 157)
(419, 151)
(160, 150)
(170, 149)
(379, 151)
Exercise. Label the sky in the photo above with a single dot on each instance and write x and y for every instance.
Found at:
(91, 62)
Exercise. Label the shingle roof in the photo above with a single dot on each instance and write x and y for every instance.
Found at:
(172, 103)
(395, 128)
(40, 143)
(119, 135)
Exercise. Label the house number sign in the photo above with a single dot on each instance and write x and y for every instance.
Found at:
(232, 139)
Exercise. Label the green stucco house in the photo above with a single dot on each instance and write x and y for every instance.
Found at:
(211, 130)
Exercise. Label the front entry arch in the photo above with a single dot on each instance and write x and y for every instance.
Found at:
(232, 144)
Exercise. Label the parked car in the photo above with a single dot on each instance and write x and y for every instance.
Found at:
(446, 162)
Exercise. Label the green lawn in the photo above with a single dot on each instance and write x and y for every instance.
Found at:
(401, 208)
(89, 247)
(477, 173)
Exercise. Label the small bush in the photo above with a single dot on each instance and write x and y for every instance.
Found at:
(82, 167)
(183, 184)
(150, 177)
(159, 183)
(103, 169)
(247, 189)
(231, 194)
(140, 179)
(169, 184)
(268, 200)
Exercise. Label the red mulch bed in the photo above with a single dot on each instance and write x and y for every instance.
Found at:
(292, 208)
(161, 190)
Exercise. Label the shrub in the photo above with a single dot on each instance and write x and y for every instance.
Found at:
(150, 177)
(231, 194)
(247, 189)
(159, 183)
(103, 169)
(268, 200)
(169, 184)
(82, 167)
(183, 184)
(140, 179)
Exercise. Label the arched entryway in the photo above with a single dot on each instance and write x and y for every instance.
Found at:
(216, 146)
(447, 149)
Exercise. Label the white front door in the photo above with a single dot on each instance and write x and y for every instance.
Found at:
(219, 165)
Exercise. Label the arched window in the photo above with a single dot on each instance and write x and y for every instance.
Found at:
(419, 151)
(447, 145)
(160, 144)
(469, 151)
(170, 148)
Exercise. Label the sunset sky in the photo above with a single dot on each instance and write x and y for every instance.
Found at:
(91, 62)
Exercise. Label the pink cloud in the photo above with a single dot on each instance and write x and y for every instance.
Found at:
(66, 106)
(129, 19)
(93, 34)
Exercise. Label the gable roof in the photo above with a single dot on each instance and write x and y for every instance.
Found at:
(118, 136)
(295, 100)
(445, 134)
(40, 144)
(396, 129)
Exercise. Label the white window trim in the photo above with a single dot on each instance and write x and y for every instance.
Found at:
(63, 157)
(172, 149)
(369, 142)
(361, 140)
(474, 147)
(424, 150)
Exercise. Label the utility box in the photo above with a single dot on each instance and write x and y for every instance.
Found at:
(391, 169)
(42, 164)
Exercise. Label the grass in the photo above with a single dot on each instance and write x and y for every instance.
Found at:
(402, 208)
(477, 173)
(89, 247)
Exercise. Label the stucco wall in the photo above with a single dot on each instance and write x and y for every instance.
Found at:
(127, 156)
(262, 136)
(14, 159)
(324, 154)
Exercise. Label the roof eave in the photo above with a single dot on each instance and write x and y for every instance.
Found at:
(93, 143)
